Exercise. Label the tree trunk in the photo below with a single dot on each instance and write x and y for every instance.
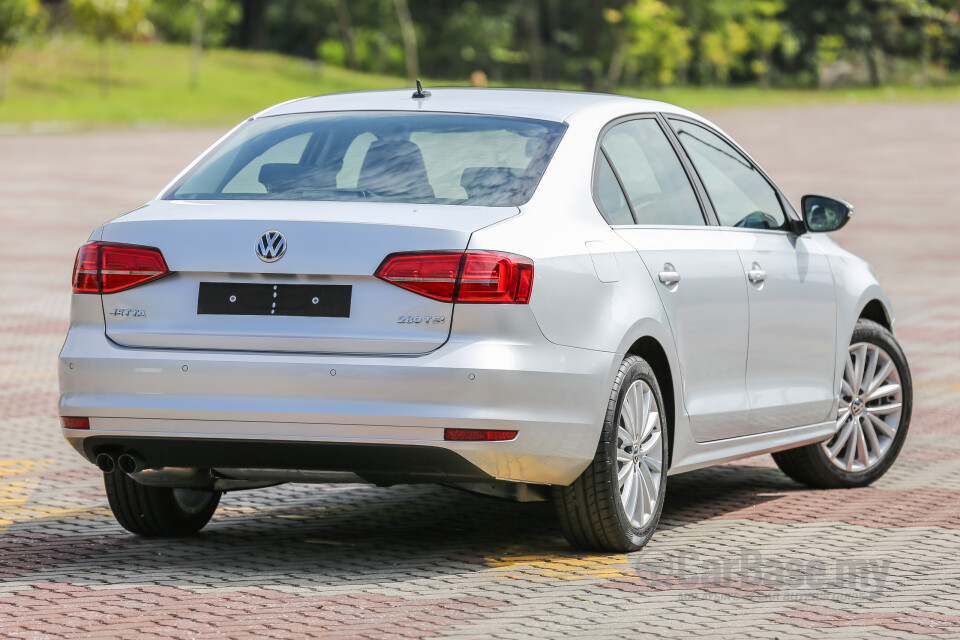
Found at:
(196, 43)
(104, 68)
(531, 14)
(409, 34)
(346, 32)
(615, 70)
(873, 67)
(591, 43)
(253, 24)
(4, 77)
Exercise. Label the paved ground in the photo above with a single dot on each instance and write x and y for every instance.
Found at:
(761, 556)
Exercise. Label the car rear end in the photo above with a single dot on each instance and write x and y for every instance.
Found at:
(303, 301)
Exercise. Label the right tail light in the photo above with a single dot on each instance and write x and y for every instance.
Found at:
(490, 277)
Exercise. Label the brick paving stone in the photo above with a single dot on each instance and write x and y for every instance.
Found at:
(356, 561)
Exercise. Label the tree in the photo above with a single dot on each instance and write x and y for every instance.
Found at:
(202, 23)
(19, 19)
(253, 24)
(409, 34)
(347, 35)
(654, 46)
(108, 20)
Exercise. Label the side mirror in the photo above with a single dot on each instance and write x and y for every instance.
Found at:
(823, 214)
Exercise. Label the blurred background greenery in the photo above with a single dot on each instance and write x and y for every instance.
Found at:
(94, 62)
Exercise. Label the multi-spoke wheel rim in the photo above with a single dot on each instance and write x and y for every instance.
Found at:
(871, 402)
(639, 454)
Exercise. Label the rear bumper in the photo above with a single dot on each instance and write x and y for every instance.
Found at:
(224, 407)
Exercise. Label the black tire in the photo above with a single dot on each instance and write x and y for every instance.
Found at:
(590, 510)
(158, 512)
(810, 465)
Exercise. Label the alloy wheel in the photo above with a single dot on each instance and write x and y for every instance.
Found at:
(639, 454)
(871, 402)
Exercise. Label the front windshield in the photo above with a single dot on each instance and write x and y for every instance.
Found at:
(424, 158)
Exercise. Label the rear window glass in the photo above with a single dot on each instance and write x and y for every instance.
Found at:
(425, 158)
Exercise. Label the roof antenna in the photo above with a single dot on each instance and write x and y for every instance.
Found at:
(420, 93)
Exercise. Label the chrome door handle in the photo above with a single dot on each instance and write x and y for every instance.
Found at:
(669, 275)
(756, 275)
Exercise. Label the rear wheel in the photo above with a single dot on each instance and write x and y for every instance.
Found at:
(616, 502)
(876, 399)
(158, 511)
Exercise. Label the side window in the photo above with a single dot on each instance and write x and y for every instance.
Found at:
(741, 196)
(657, 187)
(288, 151)
(608, 194)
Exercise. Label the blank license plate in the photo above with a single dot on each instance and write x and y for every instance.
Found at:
(315, 300)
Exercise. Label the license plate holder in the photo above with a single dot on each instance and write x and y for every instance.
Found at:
(257, 299)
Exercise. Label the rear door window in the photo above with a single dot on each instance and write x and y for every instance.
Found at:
(657, 187)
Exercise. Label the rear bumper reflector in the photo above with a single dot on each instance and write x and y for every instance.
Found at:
(475, 435)
(69, 422)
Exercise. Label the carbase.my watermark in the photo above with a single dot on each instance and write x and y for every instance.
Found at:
(751, 570)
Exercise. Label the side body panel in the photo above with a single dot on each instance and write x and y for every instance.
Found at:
(793, 335)
(708, 314)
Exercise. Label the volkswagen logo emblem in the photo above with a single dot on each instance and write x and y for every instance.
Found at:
(271, 246)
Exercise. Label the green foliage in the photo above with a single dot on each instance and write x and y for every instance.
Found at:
(658, 46)
(112, 19)
(174, 20)
(19, 19)
(594, 44)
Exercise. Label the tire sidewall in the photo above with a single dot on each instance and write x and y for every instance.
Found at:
(637, 370)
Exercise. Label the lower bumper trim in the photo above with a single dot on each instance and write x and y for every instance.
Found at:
(380, 464)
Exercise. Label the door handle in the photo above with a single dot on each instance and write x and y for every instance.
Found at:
(756, 275)
(669, 275)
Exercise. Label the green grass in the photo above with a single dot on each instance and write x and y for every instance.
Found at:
(149, 84)
(60, 83)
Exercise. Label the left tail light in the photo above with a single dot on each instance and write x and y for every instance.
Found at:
(105, 267)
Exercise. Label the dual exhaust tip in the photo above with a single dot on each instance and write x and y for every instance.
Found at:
(125, 462)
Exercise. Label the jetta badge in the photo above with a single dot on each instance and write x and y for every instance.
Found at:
(271, 246)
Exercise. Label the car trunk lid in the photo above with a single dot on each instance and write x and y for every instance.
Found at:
(320, 297)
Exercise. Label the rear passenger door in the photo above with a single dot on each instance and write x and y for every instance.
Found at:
(792, 300)
(645, 193)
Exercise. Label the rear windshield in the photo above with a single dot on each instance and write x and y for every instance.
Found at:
(426, 158)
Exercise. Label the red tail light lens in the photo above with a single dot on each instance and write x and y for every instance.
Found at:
(467, 276)
(102, 267)
(74, 423)
(475, 435)
(430, 274)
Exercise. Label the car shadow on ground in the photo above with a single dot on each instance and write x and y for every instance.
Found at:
(338, 535)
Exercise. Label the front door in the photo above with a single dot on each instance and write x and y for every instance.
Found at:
(791, 359)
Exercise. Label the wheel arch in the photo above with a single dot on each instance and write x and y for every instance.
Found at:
(877, 311)
(650, 349)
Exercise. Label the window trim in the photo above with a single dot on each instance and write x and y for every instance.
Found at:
(791, 217)
(706, 209)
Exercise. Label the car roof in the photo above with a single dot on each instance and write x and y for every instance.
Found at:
(558, 106)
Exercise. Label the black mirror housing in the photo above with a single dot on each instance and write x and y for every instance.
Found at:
(822, 214)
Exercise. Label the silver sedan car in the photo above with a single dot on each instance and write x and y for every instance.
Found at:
(530, 294)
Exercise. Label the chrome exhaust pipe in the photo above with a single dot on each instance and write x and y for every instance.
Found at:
(131, 463)
(105, 463)
(178, 477)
